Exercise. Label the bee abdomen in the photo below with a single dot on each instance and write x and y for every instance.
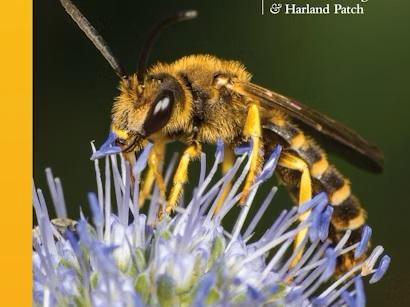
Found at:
(348, 213)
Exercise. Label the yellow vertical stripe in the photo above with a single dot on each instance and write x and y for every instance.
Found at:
(16, 152)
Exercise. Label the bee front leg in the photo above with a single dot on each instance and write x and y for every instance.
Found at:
(293, 162)
(252, 131)
(227, 164)
(155, 159)
(181, 174)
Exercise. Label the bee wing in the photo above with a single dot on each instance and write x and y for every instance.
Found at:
(319, 122)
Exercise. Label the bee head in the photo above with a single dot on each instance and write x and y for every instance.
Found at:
(146, 109)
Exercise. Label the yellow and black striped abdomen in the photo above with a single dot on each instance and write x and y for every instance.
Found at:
(348, 213)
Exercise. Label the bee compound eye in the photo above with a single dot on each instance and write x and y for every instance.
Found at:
(160, 112)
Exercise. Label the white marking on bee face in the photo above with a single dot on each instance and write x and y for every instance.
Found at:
(221, 81)
(162, 105)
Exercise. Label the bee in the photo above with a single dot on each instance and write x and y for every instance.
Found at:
(200, 99)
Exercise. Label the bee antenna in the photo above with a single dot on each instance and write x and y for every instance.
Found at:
(144, 55)
(93, 36)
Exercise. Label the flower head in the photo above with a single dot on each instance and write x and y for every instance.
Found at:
(130, 258)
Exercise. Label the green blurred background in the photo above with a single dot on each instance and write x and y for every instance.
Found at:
(354, 68)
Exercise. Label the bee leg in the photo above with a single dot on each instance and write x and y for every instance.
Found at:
(252, 130)
(291, 161)
(181, 175)
(226, 166)
(155, 158)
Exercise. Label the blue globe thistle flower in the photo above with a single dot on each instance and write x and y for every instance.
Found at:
(129, 258)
